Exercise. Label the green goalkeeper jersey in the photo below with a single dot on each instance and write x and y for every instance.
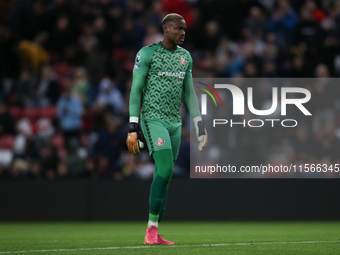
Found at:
(161, 75)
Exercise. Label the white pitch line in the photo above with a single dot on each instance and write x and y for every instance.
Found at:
(170, 246)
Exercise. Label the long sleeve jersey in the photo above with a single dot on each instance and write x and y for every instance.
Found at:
(162, 75)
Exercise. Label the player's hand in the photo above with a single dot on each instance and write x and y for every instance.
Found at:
(134, 139)
(202, 135)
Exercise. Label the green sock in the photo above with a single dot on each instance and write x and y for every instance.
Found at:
(153, 217)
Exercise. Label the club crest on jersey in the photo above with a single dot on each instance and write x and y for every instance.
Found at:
(160, 142)
(183, 62)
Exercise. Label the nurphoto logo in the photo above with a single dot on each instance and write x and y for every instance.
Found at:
(239, 102)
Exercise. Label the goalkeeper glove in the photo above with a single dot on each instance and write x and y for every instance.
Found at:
(201, 133)
(134, 139)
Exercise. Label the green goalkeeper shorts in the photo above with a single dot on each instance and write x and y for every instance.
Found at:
(161, 135)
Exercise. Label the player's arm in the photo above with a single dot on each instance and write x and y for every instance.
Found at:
(191, 102)
(140, 71)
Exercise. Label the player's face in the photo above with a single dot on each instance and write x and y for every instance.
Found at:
(175, 31)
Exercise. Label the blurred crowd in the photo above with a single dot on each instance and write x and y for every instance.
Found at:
(66, 67)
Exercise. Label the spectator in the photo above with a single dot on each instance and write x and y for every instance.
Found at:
(110, 95)
(90, 169)
(283, 23)
(130, 166)
(132, 35)
(88, 119)
(35, 171)
(4, 174)
(74, 163)
(318, 14)
(81, 85)
(111, 142)
(270, 51)
(145, 168)
(102, 33)
(30, 151)
(256, 24)
(269, 70)
(152, 35)
(329, 144)
(324, 93)
(234, 64)
(156, 13)
(250, 70)
(48, 90)
(7, 125)
(69, 112)
(19, 168)
(307, 29)
(93, 60)
(62, 171)
(32, 55)
(104, 169)
(299, 69)
(62, 35)
(49, 161)
(25, 88)
(211, 36)
(305, 146)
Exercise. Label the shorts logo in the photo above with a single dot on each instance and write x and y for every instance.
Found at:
(138, 58)
(160, 142)
(183, 62)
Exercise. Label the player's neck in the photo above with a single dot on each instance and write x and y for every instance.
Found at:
(169, 45)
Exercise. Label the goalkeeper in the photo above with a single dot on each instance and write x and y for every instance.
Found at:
(162, 72)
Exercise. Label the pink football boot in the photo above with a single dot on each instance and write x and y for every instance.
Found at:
(151, 235)
(161, 240)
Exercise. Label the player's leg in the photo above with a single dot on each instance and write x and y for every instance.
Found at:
(158, 193)
(159, 186)
(175, 131)
(161, 213)
(159, 144)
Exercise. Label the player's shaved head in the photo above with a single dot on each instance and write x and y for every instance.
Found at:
(171, 17)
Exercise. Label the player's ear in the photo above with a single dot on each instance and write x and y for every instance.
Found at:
(165, 29)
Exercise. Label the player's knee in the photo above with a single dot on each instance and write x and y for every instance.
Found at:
(167, 174)
(165, 171)
(165, 164)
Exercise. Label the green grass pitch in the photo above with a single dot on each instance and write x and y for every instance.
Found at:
(191, 238)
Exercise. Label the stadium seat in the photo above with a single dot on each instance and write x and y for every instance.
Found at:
(32, 113)
(6, 141)
(48, 112)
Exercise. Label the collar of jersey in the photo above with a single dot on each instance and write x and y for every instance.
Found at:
(161, 44)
